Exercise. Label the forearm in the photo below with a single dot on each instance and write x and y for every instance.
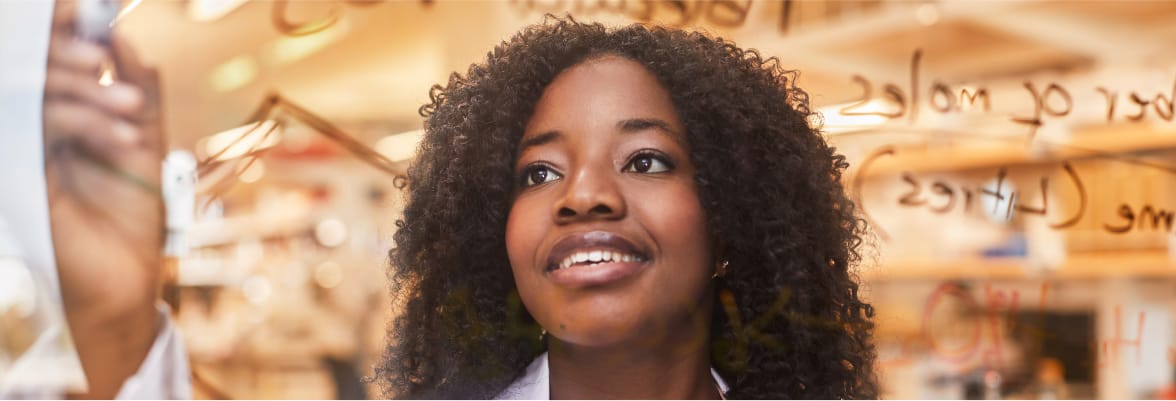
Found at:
(111, 348)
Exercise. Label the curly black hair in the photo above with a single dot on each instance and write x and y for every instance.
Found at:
(789, 322)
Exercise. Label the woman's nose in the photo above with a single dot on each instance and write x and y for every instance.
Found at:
(590, 194)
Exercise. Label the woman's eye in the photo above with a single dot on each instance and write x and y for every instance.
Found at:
(648, 164)
(538, 174)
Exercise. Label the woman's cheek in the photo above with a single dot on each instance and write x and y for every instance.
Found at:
(525, 227)
(679, 211)
(681, 226)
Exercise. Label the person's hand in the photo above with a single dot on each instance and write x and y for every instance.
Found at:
(103, 149)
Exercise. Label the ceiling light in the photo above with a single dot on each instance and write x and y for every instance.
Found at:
(233, 74)
(212, 10)
(927, 14)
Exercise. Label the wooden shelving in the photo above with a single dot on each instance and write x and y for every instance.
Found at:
(1078, 266)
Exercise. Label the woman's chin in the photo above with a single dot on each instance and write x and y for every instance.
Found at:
(607, 336)
(600, 334)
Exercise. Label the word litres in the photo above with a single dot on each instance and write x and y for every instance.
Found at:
(941, 196)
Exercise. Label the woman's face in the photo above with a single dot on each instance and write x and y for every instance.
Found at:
(607, 238)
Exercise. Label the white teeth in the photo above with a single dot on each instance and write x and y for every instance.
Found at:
(597, 256)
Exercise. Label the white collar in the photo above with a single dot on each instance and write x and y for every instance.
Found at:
(536, 383)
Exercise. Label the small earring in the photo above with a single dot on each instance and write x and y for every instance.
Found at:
(721, 270)
(542, 333)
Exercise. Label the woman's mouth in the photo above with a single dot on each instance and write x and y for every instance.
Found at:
(593, 258)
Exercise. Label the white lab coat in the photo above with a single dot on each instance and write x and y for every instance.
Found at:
(164, 373)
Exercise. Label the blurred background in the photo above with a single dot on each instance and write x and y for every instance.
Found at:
(1015, 160)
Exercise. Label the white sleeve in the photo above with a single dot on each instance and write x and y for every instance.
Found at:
(164, 373)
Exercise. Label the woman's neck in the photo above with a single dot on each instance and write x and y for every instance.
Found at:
(669, 370)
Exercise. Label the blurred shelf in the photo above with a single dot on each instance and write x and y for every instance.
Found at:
(1081, 266)
(253, 227)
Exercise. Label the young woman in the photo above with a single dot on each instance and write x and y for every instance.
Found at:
(628, 213)
(594, 213)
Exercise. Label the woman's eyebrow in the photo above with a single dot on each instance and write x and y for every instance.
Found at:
(639, 124)
(541, 139)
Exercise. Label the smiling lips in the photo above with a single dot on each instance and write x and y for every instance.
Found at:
(593, 258)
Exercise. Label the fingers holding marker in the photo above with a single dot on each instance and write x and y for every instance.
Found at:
(145, 78)
(101, 102)
(73, 74)
(119, 98)
(86, 147)
(71, 121)
(103, 118)
(78, 55)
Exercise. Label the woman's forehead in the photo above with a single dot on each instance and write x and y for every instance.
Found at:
(601, 93)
